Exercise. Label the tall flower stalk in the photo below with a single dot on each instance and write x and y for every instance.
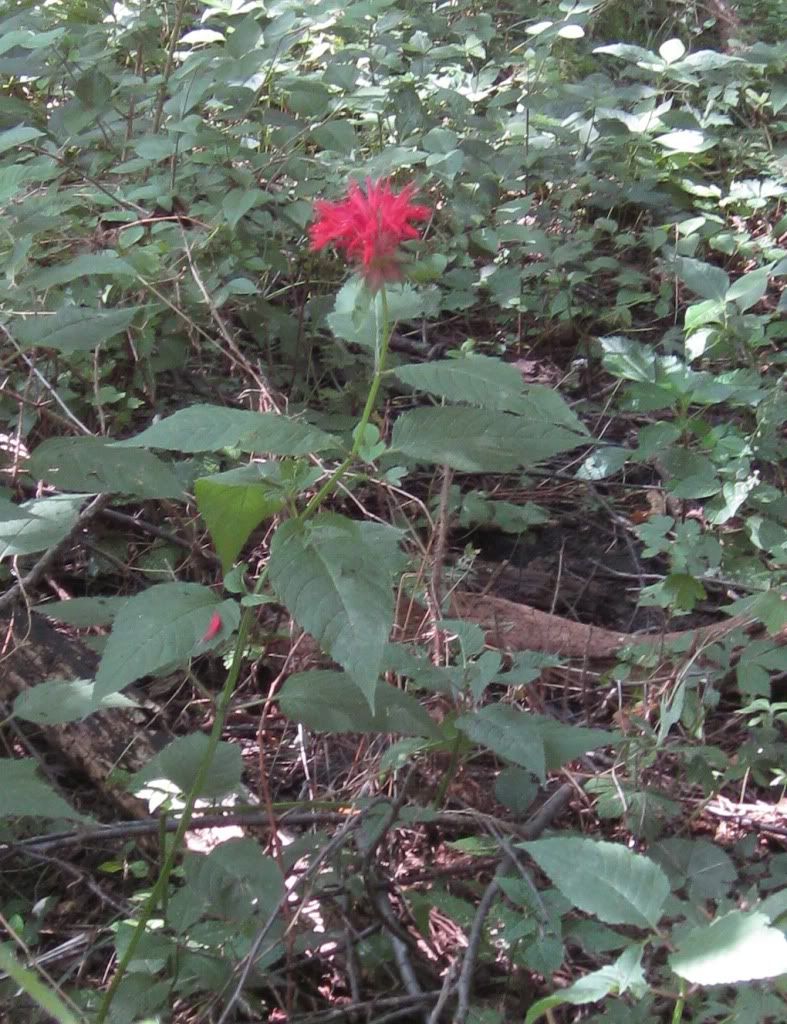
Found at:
(367, 227)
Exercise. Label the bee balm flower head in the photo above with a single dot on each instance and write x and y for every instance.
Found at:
(367, 227)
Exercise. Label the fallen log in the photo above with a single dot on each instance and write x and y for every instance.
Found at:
(33, 652)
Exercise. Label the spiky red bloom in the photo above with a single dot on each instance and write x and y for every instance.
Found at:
(368, 226)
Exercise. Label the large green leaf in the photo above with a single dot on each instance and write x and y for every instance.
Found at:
(38, 524)
(605, 879)
(24, 794)
(209, 428)
(233, 504)
(739, 946)
(93, 464)
(73, 328)
(536, 742)
(335, 577)
(106, 263)
(703, 279)
(328, 701)
(479, 380)
(625, 974)
(164, 625)
(83, 611)
(479, 440)
(180, 760)
(511, 733)
(234, 882)
(57, 701)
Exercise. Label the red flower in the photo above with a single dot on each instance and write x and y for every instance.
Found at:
(368, 226)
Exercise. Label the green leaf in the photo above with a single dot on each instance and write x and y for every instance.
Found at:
(335, 577)
(626, 973)
(18, 136)
(706, 867)
(535, 742)
(104, 264)
(56, 702)
(508, 732)
(749, 288)
(29, 982)
(479, 380)
(93, 464)
(479, 440)
(354, 318)
(703, 278)
(179, 763)
(739, 946)
(602, 463)
(210, 428)
(39, 524)
(605, 879)
(73, 328)
(234, 881)
(328, 701)
(233, 504)
(163, 625)
(82, 611)
(23, 794)
(238, 202)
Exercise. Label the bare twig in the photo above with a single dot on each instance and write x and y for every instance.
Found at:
(42, 566)
(248, 961)
(44, 382)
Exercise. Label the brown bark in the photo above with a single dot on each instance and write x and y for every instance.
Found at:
(35, 652)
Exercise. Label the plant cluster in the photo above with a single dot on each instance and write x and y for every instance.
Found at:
(312, 297)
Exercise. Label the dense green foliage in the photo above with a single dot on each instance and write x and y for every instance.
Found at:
(608, 190)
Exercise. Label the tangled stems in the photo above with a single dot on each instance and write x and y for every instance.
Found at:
(159, 890)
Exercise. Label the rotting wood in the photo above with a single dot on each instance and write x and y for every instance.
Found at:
(510, 626)
(34, 652)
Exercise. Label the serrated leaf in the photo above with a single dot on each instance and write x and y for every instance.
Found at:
(535, 742)
(706, 867)
(163, 625)
(335, 579)
(93, 464)
(180, 760)
(479, 440)
(83, 611)
(354, 318)
(58, 701)
(749, 288)
(73, 328)
(626, 973)
(209, 428)
(18, 136)
(235, 880)
(605, 879)
(40, 524)
(233, 504)
(479, 380)
(238, 202)
(508, 732)
(329, 701)
(739, 946)
(24, 794)
(107, 264)
(703, 279)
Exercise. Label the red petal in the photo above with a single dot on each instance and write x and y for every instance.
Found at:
(214, 628)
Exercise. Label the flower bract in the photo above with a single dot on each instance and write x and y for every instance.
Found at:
(368, 226)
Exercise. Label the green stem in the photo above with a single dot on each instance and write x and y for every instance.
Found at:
(383, 331)
(680, 1002)
(159, 891)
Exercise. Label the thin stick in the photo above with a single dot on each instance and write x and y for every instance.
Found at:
(42, 566)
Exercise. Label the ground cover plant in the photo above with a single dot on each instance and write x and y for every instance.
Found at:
(393, 527)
